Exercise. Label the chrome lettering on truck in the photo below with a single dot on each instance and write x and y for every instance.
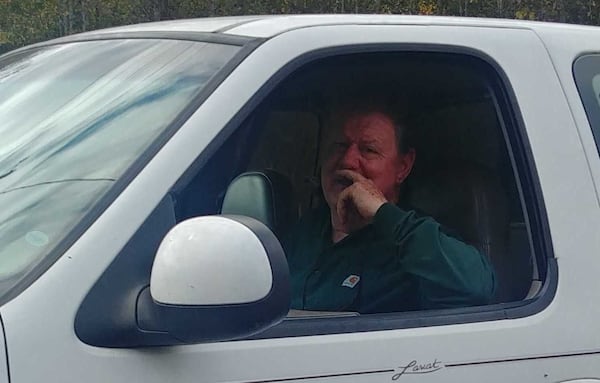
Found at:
(416, 367)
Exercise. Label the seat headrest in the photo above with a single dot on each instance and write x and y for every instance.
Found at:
(263, 195)
(471, 202)
(466, 199)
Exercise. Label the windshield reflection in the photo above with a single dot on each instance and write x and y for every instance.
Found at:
(73, 118)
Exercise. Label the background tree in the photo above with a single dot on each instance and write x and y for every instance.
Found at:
(27, 21)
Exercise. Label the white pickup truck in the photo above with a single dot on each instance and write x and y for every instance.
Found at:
(131, 159)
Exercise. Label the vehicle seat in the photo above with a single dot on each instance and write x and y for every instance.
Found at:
(264, 195)
(470, 201)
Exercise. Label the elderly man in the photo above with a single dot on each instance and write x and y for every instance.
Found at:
(362, 252)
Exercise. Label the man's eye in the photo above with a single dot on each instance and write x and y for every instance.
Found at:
(371, 150)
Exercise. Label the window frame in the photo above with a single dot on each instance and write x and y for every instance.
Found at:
(527, 181)
(113, 288)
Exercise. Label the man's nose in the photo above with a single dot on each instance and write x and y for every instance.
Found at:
(351, 158)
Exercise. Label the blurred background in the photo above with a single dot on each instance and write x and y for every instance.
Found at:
(27, 21)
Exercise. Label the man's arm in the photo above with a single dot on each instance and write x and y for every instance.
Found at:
(449, 272)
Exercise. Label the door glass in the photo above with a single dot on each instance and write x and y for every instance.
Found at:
(586, 70)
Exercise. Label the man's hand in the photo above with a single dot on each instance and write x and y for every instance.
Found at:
(358, 203)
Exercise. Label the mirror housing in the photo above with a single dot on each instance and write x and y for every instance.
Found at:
(218, 278)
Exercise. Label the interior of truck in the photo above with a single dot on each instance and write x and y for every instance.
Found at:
(464, 176)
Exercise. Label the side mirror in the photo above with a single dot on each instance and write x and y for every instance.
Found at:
(219, 278)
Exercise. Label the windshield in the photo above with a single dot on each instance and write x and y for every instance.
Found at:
(73, 118)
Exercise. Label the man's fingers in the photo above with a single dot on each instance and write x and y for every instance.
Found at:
(344, 198)
(362, 198)
(351, 175)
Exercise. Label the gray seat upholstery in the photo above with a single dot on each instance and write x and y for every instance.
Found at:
(470, 201)
(264, 195)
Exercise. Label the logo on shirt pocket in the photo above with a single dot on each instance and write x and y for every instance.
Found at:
(351, 281)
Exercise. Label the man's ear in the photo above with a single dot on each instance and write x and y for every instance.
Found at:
(406, 162)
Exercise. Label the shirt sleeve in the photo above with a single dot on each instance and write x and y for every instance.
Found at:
(448, 272)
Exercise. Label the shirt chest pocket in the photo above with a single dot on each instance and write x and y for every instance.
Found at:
(333, 287)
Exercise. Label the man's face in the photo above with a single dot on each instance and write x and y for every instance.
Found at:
(366, 144)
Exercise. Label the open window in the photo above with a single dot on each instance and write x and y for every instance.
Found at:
(465, 175)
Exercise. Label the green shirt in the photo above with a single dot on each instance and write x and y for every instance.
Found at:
(399, 262)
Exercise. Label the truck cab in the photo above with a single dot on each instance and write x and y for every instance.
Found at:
(149, 174)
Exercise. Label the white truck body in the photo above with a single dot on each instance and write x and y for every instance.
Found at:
(558, 342)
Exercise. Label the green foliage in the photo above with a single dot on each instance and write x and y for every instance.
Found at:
(27, 21)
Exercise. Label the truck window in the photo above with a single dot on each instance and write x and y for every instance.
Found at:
(463, 176)
(586, 70)
(100, 111)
